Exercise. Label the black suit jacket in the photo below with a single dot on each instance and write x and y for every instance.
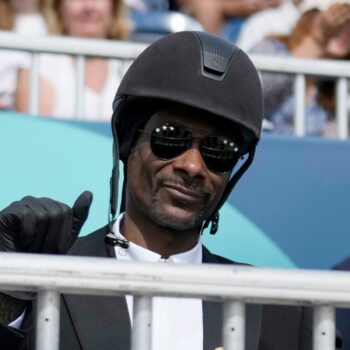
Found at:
(343, 315)
(102, 323)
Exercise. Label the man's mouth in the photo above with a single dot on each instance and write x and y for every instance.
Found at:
(183, 192)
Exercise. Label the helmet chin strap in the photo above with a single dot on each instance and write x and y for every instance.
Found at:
(113, 182)
(214, 218)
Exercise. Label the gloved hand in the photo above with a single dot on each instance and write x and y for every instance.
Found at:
(42, 225)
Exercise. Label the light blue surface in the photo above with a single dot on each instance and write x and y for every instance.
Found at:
(241, 240)
(43, 157)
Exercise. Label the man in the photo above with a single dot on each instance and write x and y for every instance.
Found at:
(187, 117)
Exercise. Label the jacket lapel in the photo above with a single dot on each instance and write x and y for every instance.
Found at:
(213, 311)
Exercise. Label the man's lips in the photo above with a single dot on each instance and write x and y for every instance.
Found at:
(183, 192)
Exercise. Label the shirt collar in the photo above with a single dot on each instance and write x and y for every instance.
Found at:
(140, 254)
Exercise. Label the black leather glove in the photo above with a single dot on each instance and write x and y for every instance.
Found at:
(42, 225)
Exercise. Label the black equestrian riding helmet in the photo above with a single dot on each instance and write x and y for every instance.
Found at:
(194, 69)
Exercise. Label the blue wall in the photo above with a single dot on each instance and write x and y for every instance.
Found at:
(290, 209)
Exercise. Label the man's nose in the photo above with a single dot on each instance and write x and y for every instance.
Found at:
(191, 162)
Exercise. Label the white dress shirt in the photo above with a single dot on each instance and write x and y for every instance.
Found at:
(177, 323)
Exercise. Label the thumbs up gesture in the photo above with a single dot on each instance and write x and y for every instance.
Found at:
(42, 225)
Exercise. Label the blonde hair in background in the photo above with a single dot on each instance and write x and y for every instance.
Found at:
(7, 15)
(302, 28)
(319, 4)
(120, 24)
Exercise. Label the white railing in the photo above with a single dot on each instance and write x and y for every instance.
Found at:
(300, 68)
(235, 286)
(81, 48)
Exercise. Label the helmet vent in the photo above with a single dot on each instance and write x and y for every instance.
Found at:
(216, 55)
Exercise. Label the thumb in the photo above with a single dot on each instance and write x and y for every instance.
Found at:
(80, 211)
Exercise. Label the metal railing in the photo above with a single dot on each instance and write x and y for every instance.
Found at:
(301, 68)
(235, 286)
(82, 48)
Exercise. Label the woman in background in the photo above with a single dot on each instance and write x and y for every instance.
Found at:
(317, 34)
(22, 17)
(103, 19)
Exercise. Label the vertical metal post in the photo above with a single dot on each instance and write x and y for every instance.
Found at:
(80, 87)
(234, 325)
(342, 108)
(299, 113)
(34, 85)
(324, 328)
(48, 321)
(142, 323)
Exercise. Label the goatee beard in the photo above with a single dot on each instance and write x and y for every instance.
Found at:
(165, 219)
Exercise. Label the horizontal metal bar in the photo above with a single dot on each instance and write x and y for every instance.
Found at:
(100, 276)
(130, 50)
(73, 46)
(290, 65)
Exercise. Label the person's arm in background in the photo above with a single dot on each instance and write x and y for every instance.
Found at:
(278, 87)
(231, 8)
(46, 94)
(212, 13)
(326, 26)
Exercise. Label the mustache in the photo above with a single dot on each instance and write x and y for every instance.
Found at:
(194, 185)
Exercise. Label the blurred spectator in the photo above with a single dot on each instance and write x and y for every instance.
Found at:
(215, 15)
(279, 20)
(21, 17)
(103, 19)
(318, 34)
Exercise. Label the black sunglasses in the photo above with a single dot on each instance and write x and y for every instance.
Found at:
(220, 153)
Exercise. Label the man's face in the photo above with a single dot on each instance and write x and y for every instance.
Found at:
(177, 193)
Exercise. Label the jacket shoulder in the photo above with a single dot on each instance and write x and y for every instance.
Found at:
(209, 257)
(92, 244)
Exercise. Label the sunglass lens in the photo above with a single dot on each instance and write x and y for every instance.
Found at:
(220, 153)
(168, 141)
